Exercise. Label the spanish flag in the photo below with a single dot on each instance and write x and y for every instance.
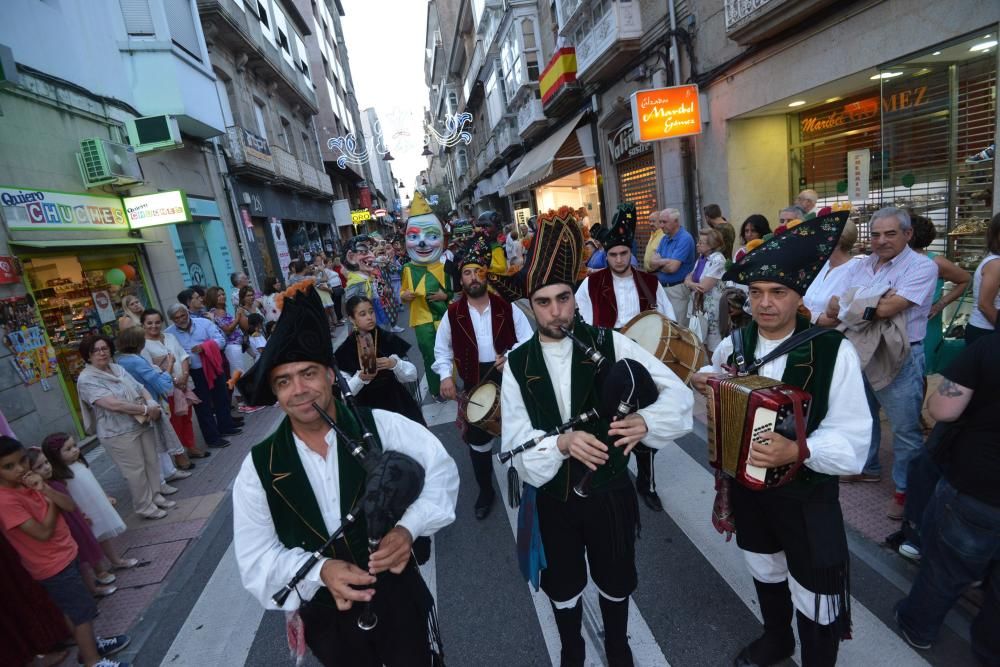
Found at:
(560, 71)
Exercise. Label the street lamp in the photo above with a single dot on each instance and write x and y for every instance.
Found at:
(388, 157)
(427, 151)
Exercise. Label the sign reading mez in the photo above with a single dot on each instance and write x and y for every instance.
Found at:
(666, 113)
(162, 208)
(26, 209)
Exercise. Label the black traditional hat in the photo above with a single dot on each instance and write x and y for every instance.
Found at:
(793, 254)
(302, 333)
(622, 230)
(554, 258)
(476, 251)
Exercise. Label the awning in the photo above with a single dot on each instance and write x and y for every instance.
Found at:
(75, 243)
(538, 164)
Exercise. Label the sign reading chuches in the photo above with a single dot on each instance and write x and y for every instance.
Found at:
(666, 113)
(162, 208)
(26, 209)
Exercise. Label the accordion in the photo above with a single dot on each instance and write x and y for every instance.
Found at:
(739, 410)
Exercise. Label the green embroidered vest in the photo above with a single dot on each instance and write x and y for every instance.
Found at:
(810, 367)
(295, 512)
(528, 367)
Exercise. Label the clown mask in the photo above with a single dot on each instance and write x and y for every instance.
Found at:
(424, 239)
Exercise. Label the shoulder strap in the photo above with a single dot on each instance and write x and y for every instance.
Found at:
(639, 280)
(800, 338)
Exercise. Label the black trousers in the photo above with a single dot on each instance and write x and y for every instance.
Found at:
(213, 411)
(600, 530)
(400, 639)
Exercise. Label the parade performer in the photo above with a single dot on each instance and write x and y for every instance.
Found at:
(488, 224)
(547, 380)
(477, 332)
(792, 536)
(359, 259)
(426, 286)
(612, 296)
(296, 485)
(369, 348)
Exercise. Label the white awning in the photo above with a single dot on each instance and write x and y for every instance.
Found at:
(537, 164)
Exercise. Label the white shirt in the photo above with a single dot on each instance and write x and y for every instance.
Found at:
(830, 282)
(977, 319)
(626, 298)
(266, 565)
(667, 419)
(912, 275)
(404, 371)
(482, 325)
(839, 445)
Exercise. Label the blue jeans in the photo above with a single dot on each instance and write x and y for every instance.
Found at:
(961, 542)
(902, 400)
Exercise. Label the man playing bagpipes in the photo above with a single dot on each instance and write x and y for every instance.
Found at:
(614, 295)
(311, 479)
(793, 435)
(476, 333)
(585, 511)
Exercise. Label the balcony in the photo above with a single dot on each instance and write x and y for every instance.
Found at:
(481, 162)
(248, 154)
(531, 118)
(558, 86)
(286, 167)
(567, 11)
(230, 26)
(492, 156)
(310, 178)
(750, 21)
(508, 140)
(610, 43)
(472, 84)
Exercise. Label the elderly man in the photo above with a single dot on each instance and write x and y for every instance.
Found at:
(908, 279)
(807, 200)
(239, 280)
(654, 239)
(674, 259)
(204, 342)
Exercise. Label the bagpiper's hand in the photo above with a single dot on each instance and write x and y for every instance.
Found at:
(339, 576)
(628, 431)
(393, 552)
(583, 447)
(776, 451)
(448, 390)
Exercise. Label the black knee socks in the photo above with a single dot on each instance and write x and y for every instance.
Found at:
(569, 622)
(615, 617)
(482, 468)
(820, 643)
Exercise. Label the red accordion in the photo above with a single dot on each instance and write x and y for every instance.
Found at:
(739, 410)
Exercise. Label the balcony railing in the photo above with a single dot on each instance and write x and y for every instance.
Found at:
(248, 153)
(507, 137)
(492, 156)
(738, 10)
(530, 117)
(612, 38)
(481, 161)
(325, 184)
(309, 176)
(286, 166)
(750, 21)
(568, 10)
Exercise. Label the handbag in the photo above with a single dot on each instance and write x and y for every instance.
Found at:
(697, 321)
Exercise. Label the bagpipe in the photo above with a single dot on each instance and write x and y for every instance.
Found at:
(393, 482)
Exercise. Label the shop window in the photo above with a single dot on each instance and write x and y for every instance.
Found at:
(201, 271)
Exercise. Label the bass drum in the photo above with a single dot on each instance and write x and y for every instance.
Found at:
(674, 345)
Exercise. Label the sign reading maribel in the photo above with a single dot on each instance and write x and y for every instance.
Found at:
(666, 113)
(26, 209)
(162, 208)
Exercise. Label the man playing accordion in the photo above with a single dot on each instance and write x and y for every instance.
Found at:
(792, 534)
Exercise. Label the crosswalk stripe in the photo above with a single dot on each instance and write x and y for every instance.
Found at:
(685, 488)
(211, 636)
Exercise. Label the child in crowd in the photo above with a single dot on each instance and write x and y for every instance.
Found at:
(30, 513)
(255, 335)
(93, 565)
(69, 465)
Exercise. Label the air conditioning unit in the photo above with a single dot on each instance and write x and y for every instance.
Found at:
(104, 162)
(154, 133)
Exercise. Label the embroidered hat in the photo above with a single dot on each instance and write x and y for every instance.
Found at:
(555, 257)
(622, 230)
(477, 252)
(302, 333)
(793, 254)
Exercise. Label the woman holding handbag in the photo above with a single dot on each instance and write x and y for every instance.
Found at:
(706, 290)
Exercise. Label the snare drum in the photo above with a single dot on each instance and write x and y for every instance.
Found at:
(482, 407)
(674, 345)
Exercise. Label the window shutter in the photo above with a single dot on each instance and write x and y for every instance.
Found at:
(138, 17)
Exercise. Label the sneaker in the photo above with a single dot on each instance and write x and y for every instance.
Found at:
(909, 551)
(984, 155)
(105, 591)
(894, 508)
(127, 564)
(108, 578)
(110, 645)
(179, 474)
(163, 503)
(863, 477)
(397, 330)
(220, 444)
(168, 490)
(152, 516)
(108, 662)
(915, 643)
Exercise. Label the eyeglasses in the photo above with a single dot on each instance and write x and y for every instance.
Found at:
(103, 348)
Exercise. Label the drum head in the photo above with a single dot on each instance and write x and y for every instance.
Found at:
(646, 329)
(481, 402)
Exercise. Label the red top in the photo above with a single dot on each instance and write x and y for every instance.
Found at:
(41, 559)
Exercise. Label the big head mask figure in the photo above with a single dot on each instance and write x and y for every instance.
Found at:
(424, 233)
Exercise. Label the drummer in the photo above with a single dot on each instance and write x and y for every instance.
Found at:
(611, 297)
(477, 339)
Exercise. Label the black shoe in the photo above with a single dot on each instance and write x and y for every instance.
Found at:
(483, 508)
(237, 419)
(235, 431)
(220, 444)
(651, 499)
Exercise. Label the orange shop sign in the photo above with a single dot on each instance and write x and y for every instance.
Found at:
(666, 113)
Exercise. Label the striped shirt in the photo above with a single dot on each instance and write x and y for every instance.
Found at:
(912, 275)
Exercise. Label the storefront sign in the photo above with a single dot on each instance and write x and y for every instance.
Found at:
(254, 145)
(360, 215)
(281, 247)
(858, 166)
(858, 111)
(623, 146)
(162, 208)
(26, 209)
(9, 270)
(666, 113)
(265, 202)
